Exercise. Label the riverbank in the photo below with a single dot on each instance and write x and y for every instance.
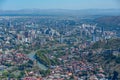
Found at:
(40, 65)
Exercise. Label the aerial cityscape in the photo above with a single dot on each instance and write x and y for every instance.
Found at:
(59, 44)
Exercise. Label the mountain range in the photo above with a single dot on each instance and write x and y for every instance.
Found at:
(60, 12)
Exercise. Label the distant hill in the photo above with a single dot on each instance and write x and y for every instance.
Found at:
(109, 20)
(108, 59)
(109, 23)
(107, 44)
(34, 12)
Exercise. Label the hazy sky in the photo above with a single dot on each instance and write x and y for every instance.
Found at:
(58, 4)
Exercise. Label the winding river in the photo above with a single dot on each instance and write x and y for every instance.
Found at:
(40, 65)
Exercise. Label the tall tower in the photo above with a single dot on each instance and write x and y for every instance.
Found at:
(102, 29)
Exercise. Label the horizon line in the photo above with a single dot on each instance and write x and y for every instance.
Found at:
(60, 9)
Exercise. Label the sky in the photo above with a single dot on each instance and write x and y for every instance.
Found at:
(59, 4)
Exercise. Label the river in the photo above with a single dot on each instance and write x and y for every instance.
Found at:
(40, 65)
